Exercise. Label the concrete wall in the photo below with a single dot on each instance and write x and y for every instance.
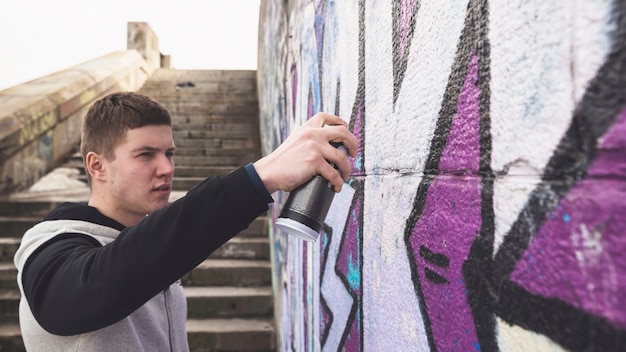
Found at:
(141, 37)
(485, 210)
(40, 120)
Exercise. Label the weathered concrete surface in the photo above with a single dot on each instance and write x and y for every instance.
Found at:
(142, 38)
(40, 120)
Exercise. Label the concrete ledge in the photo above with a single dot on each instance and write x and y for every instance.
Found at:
(40, 120)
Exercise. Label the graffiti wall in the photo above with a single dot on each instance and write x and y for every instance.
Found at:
(486, 209)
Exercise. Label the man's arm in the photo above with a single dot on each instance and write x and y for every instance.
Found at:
(74, 285)
(95, 286)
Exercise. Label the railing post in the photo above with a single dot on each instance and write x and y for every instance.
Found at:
(142, 38)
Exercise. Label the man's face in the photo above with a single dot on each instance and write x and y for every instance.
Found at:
(140, 178)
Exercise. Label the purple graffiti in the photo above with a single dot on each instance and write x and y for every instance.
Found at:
(406, 21)
(450, 220)
(348, 268)
(305, 292)
(577, 255)
(358, 130)
(326, 317)
(294, 88)
(404, 14)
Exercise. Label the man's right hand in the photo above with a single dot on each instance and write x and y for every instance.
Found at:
(307, 152)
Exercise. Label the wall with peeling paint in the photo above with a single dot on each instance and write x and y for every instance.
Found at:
(485, 209)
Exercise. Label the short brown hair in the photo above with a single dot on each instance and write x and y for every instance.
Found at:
(108, 118)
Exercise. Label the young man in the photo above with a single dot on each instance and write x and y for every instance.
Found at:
(104, 276)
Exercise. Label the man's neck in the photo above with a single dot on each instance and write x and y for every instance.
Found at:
(102, 203)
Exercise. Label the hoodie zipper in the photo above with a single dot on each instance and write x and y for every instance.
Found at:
(167, 315)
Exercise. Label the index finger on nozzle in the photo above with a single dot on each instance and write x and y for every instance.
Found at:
(321, 119)
(342, 135)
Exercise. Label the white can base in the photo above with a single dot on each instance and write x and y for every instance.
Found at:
(297, 229)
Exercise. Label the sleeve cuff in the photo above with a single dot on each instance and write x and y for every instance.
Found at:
(257, 183)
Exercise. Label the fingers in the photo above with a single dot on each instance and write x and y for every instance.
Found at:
(322, 119)
(337, 157)
(333, 176)
(342, 134)
(334, 129)
(343, 166)
(307, 152)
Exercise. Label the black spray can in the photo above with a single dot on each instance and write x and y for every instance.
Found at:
(307, 206)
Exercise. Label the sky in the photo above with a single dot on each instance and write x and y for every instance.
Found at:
(39, 37)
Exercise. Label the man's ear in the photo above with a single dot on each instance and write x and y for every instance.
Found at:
(95, 166)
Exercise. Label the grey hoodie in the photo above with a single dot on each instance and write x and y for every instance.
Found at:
(155, 326)
(88, 283)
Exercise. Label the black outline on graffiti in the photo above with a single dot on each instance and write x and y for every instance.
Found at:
(357, 306)
(358, 111)
(320, 28)
(571, 327)
(490, 292)
(328, 231)
(473, 40)
(358, 108)
(400, 63)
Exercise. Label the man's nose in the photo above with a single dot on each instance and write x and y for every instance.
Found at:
(165, 166)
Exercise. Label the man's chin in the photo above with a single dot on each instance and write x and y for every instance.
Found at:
(159, 203)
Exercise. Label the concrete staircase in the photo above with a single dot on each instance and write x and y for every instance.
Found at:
(229, 295)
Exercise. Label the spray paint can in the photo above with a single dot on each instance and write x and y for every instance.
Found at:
(307, 206)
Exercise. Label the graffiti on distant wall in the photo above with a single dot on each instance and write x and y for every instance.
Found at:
(485, 206)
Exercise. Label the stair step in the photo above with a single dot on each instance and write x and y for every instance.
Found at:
(185, 155)
(251, 243)
(11, 337)
(75, 164)
(243, 126)
(215, 302)
(254, 335)
(8, 247)
(224, 144)
(8, 276)
(53, 197)
(231, 335)
(223, 160)
(230, 272)
(201, 85)
(202, 302)
(184, 183)
(250, 142)
(9, 305)
(241, 247)
(214, 118)
(15, 226)
(251, 153)
(201, 80)
(240, 132)
(224, 109)
(258, 227)
(12, 207)
(181, 183)
(203, 171)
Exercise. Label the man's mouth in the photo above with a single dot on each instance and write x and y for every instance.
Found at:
(163, 188)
